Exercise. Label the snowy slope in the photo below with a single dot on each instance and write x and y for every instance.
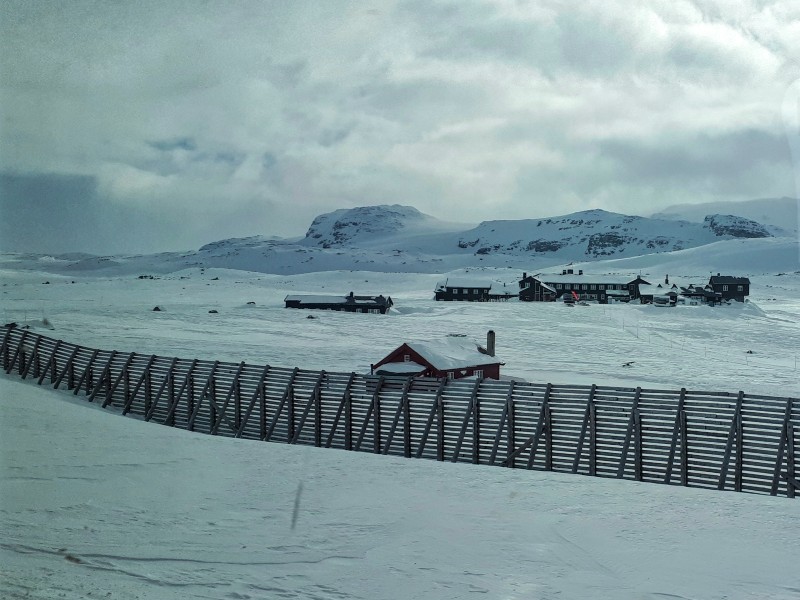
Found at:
(93, 504)
(779, 215)
(140, 511)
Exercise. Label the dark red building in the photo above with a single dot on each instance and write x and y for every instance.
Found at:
(454, 357)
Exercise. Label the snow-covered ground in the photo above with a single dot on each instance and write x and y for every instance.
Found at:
(687, 346)
(96, 505)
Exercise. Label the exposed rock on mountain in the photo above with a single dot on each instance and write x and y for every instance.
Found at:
(735, 226)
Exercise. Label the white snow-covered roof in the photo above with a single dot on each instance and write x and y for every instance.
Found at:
(616, 292)
(467, 283)
(408, 367)
(452, 353)
(547, 287)
(315, 299)
(322, 299)
(586, 278)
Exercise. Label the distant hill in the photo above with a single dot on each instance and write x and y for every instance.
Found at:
(395, 238)
(778, 215)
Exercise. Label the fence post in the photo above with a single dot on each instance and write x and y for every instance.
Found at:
(737, 486)
(628, 434)
(405, 402)
(4, 347)
(593, 439)
(51, 364)
(318, 411)
(32, 360)
(540, 426)
(440, 422)
(212, 400)
(343, 408)
(20, 343)
(104, 376)
(548, 441)
(470, 412)
(148, 391)
(584, 427)
(237, 403)
(86, 375)
(376, 418)
(791, 472)
(782, 446)
(684, 448)
(290, 412)
(732, 434)
(678, 430)
(262, 412)
(637, 444)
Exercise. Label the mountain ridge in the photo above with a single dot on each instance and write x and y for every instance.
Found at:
(398, 238)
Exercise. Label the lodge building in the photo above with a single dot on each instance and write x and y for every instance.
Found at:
(600, 288)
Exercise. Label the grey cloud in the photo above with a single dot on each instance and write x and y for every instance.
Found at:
(183, 143)
(57, 213)
(253, 119)
(725, 163)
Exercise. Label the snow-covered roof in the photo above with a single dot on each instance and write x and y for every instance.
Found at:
(408, 367)
(322, 299)
(646, 289)
(467, 283)
(616, 292)
(452, 353)
(586, 278)
(547, 287)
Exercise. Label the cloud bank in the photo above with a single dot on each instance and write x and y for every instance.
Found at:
(157, 126)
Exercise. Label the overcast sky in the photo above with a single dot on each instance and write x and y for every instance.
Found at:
(145, 126)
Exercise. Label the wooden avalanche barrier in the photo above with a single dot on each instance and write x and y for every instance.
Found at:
(722, 440)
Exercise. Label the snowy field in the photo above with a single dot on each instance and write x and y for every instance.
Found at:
(96, 505)
(753, 347)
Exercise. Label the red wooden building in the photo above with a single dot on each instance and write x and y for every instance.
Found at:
(453, 357)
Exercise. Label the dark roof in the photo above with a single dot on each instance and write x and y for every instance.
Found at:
(728, 279)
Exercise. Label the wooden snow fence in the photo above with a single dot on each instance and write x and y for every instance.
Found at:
(727, 441)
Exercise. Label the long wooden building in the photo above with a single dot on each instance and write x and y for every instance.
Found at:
(350, 303)
(601, 288)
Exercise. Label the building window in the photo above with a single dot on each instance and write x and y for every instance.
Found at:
(583, 287)
(474, 291)
(406, 358)
(592, 286)
(558, 286)
(740, 288)
(478, 373)
(724, 288)
(451, 375)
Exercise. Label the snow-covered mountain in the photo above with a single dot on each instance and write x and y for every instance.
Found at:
(394, 238)
(778, 215)
(353, 226)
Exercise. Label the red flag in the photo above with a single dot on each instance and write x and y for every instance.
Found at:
(575, 295)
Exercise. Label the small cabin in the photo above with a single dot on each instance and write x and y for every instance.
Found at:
(350, 303)
(465, 290)
(453, 357)
(729, 287)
